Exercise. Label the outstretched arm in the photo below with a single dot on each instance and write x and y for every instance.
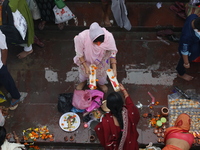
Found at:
(113, 63)
(123, 90)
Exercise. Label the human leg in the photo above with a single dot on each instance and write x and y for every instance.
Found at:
(41, 25)
(182, 71)
(38, 42)
(27, 50)
(7, 81)
(106, 6)
(101, 83)
(83, 81)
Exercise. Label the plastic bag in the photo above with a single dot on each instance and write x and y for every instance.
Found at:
(34, 9)
(62, 15)
(20, 23)
(194, 2)
(65, 102)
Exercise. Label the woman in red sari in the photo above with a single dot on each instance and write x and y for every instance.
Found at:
(178, 136)
(117, 131)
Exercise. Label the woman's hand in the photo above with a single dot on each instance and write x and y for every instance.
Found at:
(87, 70)
(121, 87)
(115, 72)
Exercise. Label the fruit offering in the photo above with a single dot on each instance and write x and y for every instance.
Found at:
(32, 134)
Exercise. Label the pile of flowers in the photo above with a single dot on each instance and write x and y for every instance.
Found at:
(32, 134)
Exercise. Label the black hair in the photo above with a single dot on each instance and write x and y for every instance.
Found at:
(197, 23)
(115, 104)
(99, 39)
(2, 135)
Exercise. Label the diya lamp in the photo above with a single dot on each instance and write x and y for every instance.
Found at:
(163, 134)
(160, 140)
(160, 130)
(198, 141)
(92, 138)
(155, 131)
(164, 126)
(66, 138)
(164, 111)
(158, 134)
(71, 138)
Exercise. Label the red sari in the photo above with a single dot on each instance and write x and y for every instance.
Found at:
(109, 134)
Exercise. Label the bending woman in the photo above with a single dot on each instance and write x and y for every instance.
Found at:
(95, 46)
(178, 136)
(117, 131)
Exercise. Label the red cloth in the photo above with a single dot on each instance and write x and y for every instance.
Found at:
(197, 59)
(109, 134)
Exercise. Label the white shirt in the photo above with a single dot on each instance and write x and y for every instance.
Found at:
(3, 46)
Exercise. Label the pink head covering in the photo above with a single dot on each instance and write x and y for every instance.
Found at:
(95, 31)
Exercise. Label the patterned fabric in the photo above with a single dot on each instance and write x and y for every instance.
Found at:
(109, 134)
(23, 8)
(93, 54)
(190, 9)
(180, 130)
(46, 9)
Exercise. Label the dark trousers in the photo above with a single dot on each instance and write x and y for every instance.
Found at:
(7, 81)
(180, 68)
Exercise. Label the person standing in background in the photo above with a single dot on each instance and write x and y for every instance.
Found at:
(22, 7)
(189, 45)
(118, 128)
(6, 79)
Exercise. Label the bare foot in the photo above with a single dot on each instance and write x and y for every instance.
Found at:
(186, 77)
(107, 22)
(24, 54)
(104, 88)
(81, 85)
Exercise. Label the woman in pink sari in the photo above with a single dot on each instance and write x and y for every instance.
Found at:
(96, 46)
(118, 128)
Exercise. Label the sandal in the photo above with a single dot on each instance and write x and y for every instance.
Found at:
(173, 38)
(14, 104)
(180, 5)
(38, 42)
(182, 15)
(175, 9)
(41, 25)
(165, 32)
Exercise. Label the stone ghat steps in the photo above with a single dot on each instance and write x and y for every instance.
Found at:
(144, 16)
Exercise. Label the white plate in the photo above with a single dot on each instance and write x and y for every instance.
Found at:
(64, 124)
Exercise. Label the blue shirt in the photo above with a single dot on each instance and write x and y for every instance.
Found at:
(189, 42)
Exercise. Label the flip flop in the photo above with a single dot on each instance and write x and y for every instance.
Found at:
(180, 5)
(41, 25)
(13, 107)
(175, 9)
(14, 103)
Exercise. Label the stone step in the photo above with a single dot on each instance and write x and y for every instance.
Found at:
(142, 15)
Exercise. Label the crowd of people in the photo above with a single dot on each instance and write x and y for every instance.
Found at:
(96, 45)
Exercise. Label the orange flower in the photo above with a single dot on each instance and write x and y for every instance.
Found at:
(109, 70)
